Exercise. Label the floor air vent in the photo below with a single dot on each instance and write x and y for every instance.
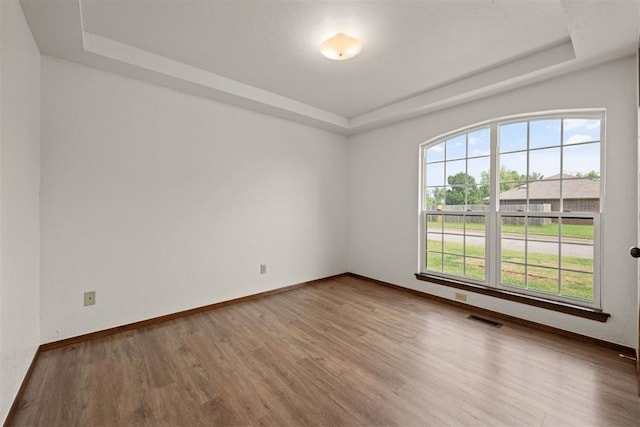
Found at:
(485, 321)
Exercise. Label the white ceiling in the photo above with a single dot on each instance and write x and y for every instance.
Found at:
(408, 47)
(417, 56)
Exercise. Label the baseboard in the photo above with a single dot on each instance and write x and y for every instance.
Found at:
(23, 387)
(624, 350)
(627, 351)
(142, 324)
(172, 316)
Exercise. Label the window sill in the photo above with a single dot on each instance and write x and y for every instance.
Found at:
(574, 310)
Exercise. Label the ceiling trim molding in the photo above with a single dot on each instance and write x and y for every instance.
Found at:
(105, 53)
(477, 85)
(167, 67)
(485, 82)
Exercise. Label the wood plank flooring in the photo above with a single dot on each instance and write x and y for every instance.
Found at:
(340, 352)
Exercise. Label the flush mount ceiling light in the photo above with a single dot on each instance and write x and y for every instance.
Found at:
(341, 47)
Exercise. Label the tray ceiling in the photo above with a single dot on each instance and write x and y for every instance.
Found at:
(264, 55)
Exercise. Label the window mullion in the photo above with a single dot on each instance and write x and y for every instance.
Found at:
(492, 227)
(531, 240)
(561, 195)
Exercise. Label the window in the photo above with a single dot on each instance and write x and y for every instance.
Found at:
(515, 205)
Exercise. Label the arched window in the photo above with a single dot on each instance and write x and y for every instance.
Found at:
(515, 204)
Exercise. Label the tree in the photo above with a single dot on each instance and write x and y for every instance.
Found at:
(437, 197)
(535, 176)
(464, 190)
(509, 179)
(593, 175)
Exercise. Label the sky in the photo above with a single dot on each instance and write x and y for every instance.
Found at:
(574, 149)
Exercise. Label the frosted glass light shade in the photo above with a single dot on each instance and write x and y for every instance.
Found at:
(341, 47)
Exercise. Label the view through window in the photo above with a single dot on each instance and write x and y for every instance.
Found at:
(515, 205)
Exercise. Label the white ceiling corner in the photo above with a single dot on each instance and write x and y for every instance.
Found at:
(417, 57)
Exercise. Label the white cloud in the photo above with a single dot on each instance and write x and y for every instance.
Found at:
(477, 152)
(578, 138)
(571, 124)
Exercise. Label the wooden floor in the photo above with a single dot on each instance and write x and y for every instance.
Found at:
(341, 352)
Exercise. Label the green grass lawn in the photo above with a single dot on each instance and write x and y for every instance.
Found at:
(568, 230)
(544, 273)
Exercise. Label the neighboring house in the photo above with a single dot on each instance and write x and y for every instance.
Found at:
(578, 194)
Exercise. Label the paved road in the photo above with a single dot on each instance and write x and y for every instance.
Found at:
(579, 248)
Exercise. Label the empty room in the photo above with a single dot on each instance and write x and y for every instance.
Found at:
(261, 212)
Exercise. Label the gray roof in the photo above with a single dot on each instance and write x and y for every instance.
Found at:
(549, 189)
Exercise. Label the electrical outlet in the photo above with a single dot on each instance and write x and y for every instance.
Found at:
(461, 296)
(89, 298)
(263, 268)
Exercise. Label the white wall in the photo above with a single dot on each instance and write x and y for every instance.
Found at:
(162, 201)
(19, 206)
(383, 208)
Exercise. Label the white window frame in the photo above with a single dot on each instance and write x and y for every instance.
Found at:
(493, 217)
